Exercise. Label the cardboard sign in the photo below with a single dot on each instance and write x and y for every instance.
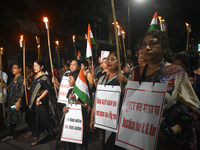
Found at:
(140, 116)
(64, 88)
(104, 54)
(107, 107)
(73, 125)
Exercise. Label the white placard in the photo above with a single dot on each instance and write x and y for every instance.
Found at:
(63, 90)
(107, 107)
(73, 125)
(140, 116)
(104, 54)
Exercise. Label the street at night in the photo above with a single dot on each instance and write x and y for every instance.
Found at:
(99, 75)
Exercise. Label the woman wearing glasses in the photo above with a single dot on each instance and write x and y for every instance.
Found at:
(15, 100)
(180, 99)
(108, 79)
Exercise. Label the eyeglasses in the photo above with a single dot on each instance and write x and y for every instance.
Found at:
(151, 44)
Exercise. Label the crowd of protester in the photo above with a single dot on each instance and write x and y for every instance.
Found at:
(156, 63)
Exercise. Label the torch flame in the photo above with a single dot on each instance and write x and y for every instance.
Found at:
(73, 38)
(37, 39)
(1, 48)
(21, 38)
(57, 42)
(114, 23)
(187, 24)
(45, 19)
(160, 18)
(21, 41)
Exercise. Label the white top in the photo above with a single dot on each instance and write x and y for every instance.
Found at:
(5, 79)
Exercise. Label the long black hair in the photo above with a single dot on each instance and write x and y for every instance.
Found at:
(189, 59)
(40, 63)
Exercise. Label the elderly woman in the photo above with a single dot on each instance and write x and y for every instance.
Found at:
(180, 98)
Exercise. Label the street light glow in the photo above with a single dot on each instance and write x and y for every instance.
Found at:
(140, 1)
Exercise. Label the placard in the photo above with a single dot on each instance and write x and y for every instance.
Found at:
(73, 125)
(104, 54)
(140, 116)
(63, 90)
(107, 107)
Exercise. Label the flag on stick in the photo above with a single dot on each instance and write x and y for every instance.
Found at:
(90, 42)
(154, 22)
(81, 88)
(79, 55)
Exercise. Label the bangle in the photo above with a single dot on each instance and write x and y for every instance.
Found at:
(38, 100)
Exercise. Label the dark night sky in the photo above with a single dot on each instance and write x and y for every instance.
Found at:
(175, 12)
(70, 17)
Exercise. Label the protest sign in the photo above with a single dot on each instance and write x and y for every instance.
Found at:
(140, 116)
(104, 54)
(63, 90)
(73, 125)
(107, 107)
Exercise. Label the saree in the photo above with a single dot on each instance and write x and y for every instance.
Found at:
(44, 116)
(181, 108)
(179, 86)
(107, 136)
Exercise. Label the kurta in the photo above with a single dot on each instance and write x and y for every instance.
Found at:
(15, 91)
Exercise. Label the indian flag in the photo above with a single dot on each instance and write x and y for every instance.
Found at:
(79, 55)
(90, 42)
(81, 88)
(154, 22)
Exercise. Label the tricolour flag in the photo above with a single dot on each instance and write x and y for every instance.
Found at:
(90, 42)
(79, 55)
(81, 88)
(154, 22)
